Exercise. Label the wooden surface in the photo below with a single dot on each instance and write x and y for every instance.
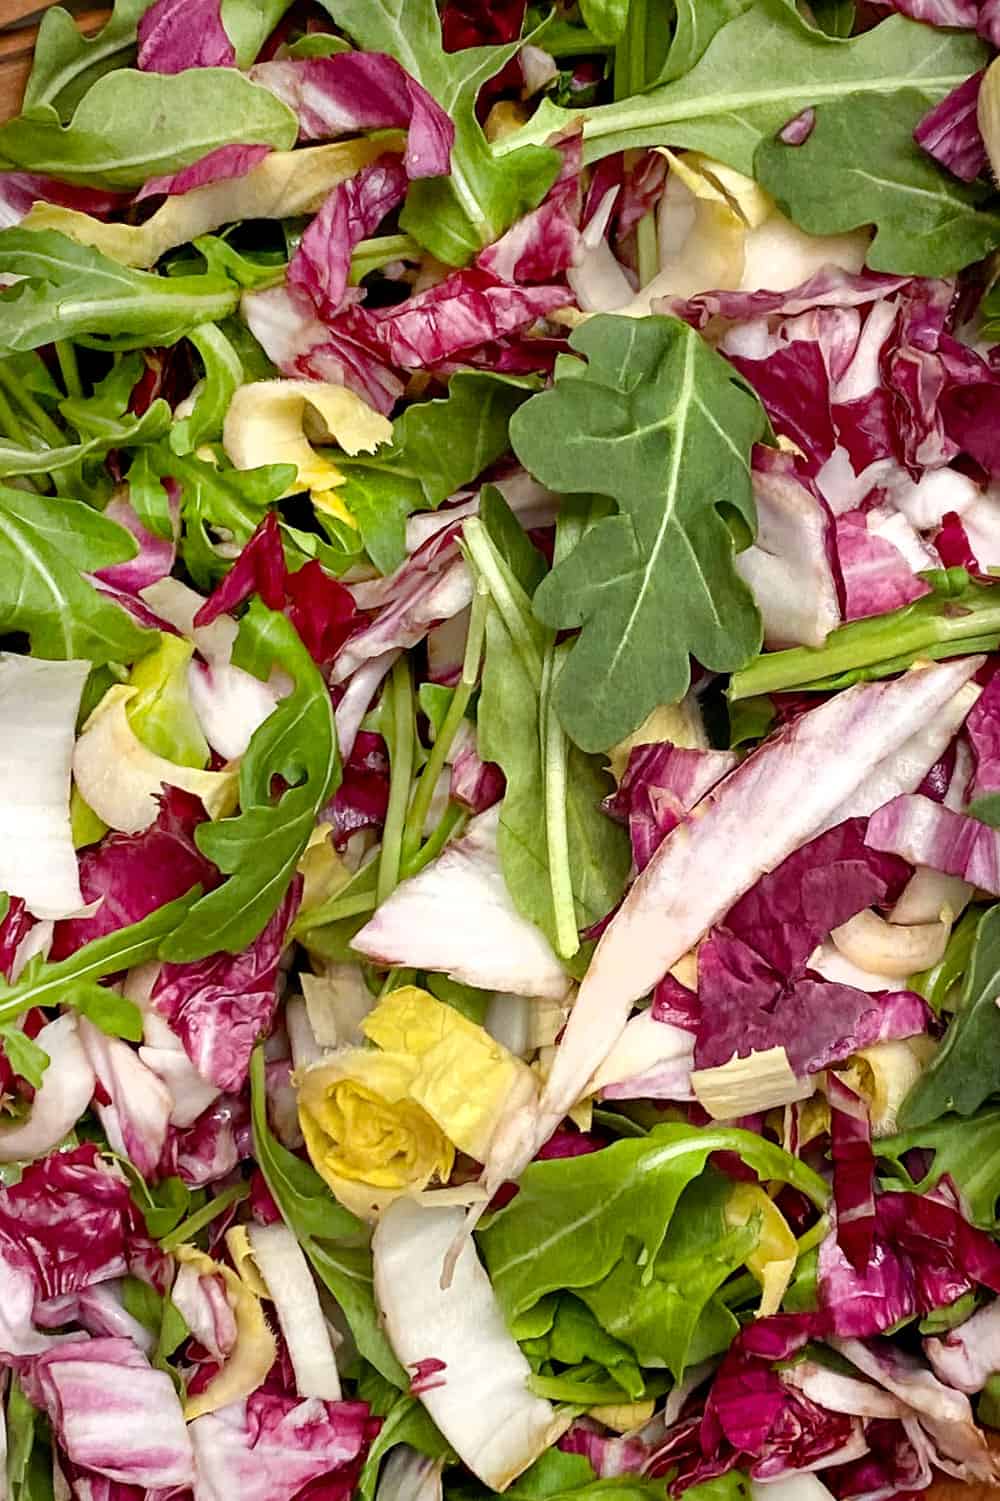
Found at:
(18, 27)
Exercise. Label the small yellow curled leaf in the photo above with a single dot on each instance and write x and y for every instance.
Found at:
(255, 1350)
(463, 1078)
(120, 778)
(989, 114)
(284, 184)
(322, 870)
(772, 1262)
(366, 1137)
(885, 1073)
(239, 1248)
(272, 422)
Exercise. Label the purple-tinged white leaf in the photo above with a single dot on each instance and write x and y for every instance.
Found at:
(220, 165)
(950, 131)
(321, 265)
(926, 833)
(967, 1356)
(485, 941)
(660, 786)
(65, 1092)
(137, 1113)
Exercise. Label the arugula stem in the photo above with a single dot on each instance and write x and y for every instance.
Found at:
(196, 1222)
(68, 367)
(630, 79)
(508, 596)
(424, 795)
(453, 822)
(32, 409)
(11, 423)
(401, 766)
(555, 753)
(936, 625)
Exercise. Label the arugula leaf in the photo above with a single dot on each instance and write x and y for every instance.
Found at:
(966, 1067)
(454, 216)
(405, 1420)
(556, 1476)
(29, 1454)
(437, 447)
(249, 23)
(130, 126)
(157, 1313)
(260, 847)
(959, 616)
(861, 165)
(512, 707)
(74, 291)
(132, 432)
(61, 982)
(574, 1220)
(605, 19)
(668, 1314)
(658, 421)
(223, 373)
(574, 1336)
(695, 24)
(835, 17)
(965, 1150)
(66, 63)
(108, 1010)
(334, 1241)
(218, 497)
(24, 1056)
(759, 71)
(46, 545)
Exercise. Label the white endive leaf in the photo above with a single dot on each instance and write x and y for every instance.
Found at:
(458, 916)
(39, 702)
(66, 1088)
(479, 1395)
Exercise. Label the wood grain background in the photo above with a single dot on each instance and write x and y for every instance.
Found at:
(18, 26)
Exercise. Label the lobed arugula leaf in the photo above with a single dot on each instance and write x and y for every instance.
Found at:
(405, 1420)
(454, 216)
(695, 24)
(576, 1220)
(966, 1150)
(862, 166)
(223, 372)
(73, 291)
(260, 846)
(66, 63)
(659, 422)
(24, 1056)
(130, 126)
(335, 1242)
(437, 447)
(249, 23)
(46, 545)
(760, 70)
(61, 982)
(965, 1070)
(128, 432)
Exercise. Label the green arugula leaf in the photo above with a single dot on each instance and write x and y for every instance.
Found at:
(574, 1336)
(957, 618)
(163, 1205)
(659, 422)
(29, 1453)
(574, 1220)
(965, 1150)
(671, 1317)
(61, 982)
(512, 707)
(965, 1070)
(46, 545)
(73, 291)
(695, 24)
(438, 446)
(130, 126)
(335, 1242)
(556, 1476)
(66, 63)
(24, 1056)
(605, 19)
(220, 497)
(405, 1420)
(835, 17)
(260, 847)
(249, 23)
(949, 1315)
(108, 1010)
(223, 373)
(759, 71)
(861, 165)
(453, 216)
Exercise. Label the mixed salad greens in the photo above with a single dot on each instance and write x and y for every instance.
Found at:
(500, 759)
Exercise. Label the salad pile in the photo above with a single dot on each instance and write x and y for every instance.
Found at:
(500, 752)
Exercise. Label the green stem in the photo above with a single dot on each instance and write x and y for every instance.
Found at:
(453, 822)
(424, 795)
(937, 625)
(396, 979)
(11, 423)
(555, 752)
(32, 409)
(631, 78)
(68, 368)
(196, 1222)
(401, 768)
(508, 596)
